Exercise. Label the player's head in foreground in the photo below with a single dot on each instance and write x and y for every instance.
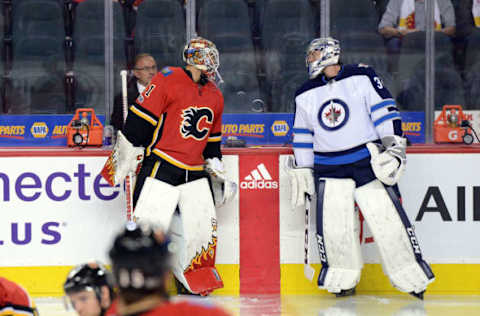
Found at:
(321, 53)
(14, 300)
(202, 59)
(141, 263)
(89, 289)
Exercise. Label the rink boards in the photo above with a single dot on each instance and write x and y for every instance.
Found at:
(57, 212)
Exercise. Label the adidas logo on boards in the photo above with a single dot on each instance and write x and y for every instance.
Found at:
(259, 178)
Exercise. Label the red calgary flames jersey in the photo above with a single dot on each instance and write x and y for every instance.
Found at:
(14, 300)
(185, 114)
(183, 308)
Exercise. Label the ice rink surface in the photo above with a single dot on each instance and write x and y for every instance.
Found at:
(293, 305)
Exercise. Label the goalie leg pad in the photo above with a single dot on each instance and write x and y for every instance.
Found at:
(337, 235)
(196, 257)
(395, 237)
(156, 204)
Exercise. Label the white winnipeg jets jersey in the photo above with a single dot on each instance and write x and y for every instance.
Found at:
(335, 118)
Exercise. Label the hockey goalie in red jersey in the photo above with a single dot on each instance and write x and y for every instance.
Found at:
(176, 124)
(14, 300)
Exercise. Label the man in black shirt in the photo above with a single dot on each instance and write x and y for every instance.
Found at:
(144, 70)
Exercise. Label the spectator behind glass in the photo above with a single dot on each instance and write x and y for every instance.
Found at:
(406, 16)
(144, 69)
(468, 17)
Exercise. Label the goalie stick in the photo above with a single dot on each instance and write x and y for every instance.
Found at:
(308, 270)
(129, 177)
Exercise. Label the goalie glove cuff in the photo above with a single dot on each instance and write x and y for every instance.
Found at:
(301, 183)
(389, 164)
(123, 159)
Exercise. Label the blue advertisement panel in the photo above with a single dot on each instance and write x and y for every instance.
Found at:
(413, 126)
(35, 130)
(254, 129)
(276, 128)
(258, 128)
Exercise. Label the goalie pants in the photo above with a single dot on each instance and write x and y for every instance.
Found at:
(162, 170)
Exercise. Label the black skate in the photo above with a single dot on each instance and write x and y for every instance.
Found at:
(182, 290)
(343, 293)
(417, 295)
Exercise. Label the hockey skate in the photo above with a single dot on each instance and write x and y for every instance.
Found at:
(344, 293)
(417, 295)
(182, 290)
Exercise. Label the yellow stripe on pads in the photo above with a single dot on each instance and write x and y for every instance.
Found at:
(456, 279)
(48, 280)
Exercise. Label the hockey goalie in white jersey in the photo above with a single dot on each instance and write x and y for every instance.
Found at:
(349, 147)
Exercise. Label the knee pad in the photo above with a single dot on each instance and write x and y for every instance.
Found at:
(395, 237)
(337, 235)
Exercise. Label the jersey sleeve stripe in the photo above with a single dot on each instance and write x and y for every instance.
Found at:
(382, 104)
(302, 131)
(17, 310)
(156, 133)
(215, 139)
(143, 115)
(302, 145)
(387, 117)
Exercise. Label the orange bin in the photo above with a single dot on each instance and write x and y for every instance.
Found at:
(447, 126)
(85, 129)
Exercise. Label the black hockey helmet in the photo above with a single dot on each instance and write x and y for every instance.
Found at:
(88, 276)
(140, 258)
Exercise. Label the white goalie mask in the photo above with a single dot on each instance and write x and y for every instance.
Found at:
(202, 54)
(321, 52)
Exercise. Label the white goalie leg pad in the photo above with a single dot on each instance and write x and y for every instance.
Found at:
(178, 242)
(395, 237)
(337, 235)
(156, 204)
(195, 262)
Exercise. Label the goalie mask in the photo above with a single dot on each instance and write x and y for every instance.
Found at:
(321, 52)
(202, 54)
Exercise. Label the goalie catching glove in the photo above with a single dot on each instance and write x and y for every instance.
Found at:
(123, 159)
(301, 183)
(389, 164)
(224, 190)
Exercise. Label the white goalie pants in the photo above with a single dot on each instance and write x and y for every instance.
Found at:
(338, 236)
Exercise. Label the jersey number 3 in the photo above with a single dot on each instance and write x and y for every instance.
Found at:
(378, 81)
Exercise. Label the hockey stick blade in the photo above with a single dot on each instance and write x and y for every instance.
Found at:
(309, 272)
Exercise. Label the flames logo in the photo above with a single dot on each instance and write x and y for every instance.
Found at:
(206, 257)
(192, 117)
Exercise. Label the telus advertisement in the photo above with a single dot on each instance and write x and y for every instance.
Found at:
(54, 215)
